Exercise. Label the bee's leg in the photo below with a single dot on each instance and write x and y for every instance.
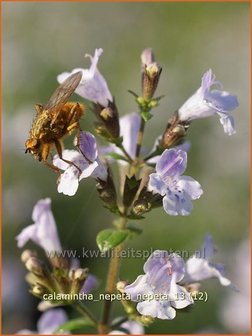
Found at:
(50, 165)
(44, 155)
(59, 151)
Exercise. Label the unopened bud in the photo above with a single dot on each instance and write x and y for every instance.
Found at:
(110, 120)
(174, 133)
(38, 291)
(35, 266)
(59, 262)
(78, 278)
(80, 274)
(107, 192)
(120, 286)
(106, 113)
(151, 72)
(141, 206)
(27, 254)
(147, 57)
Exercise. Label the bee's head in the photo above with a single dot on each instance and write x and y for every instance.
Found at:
(33, 146)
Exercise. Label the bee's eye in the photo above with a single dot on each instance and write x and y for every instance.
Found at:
(35, 143)
(32, 145)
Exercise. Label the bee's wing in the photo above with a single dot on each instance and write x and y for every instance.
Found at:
(62, 93)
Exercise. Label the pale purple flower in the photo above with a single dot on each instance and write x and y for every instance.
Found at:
(147, 57)
(92, 86)
(178, 191)
(199, 267)
(129, 128)
(128, 327)
(90, 284)
(87, 161)
(206, 102)
(48, 322)
(157, 291)
(44, 231)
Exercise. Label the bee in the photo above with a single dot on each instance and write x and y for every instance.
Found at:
(55, 120)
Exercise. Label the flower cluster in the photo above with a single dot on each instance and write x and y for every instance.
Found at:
(44, 234)
(167, 280)
(148, 179)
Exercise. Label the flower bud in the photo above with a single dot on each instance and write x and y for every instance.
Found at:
(38, 290)
(59, 262)
(151, 72)
(35, 266)
(147, 57)
(109, 118)
(174, 133)
(141, 206)
(80, 274)
(78, 278)
(107, 192)
(120, 286)
(27, 254)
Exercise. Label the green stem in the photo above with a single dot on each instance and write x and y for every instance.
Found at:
(85, 312)
(140, 138)
(125, 153)
(112, 279)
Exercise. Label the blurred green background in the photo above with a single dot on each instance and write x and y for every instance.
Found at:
(40, 40)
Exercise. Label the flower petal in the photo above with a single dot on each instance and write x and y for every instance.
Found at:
(88, 146)
(90, 283)
(69, 182)
(88, 170)
(171, 163)
(190, 186)
(51, 320)
(156, 184)
(44, 231)
(159, 309)
(222, 101)
(205, 102)
(207, 249)
(228, 124)
(129, 128)
(101, 171)
(198, 269)
(138, 288)
(92, 86)
(171, 265)
(70, 155)
(181, 298)
(177, 204)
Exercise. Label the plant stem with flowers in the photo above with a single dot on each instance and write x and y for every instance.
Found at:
(149, 181)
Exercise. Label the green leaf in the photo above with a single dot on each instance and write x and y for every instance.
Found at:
(146, 115)
(110, 238)
(74, 324)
